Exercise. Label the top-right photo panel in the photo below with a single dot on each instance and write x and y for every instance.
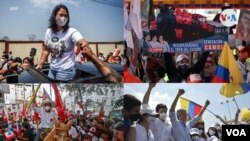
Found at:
(190, 41)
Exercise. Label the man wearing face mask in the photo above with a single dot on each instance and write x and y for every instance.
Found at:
(179, 122)
(162, 131)
(131, 111)
(46, 114)
(181, 71)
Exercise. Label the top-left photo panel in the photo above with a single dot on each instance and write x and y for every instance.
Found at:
(61, 41)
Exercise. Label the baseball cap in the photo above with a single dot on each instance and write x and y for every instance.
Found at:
(194, 131)
(180, 57)
(145, 109)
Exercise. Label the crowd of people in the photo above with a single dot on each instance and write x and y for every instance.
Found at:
(141, 123)
(13, 65)
(83, 127)
(176, 67)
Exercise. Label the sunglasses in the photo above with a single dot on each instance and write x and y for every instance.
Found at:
(201, 128)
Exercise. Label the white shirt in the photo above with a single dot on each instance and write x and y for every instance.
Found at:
(46, 118)
(142, 135)
(165, 46)
(155, 44)
(181, 130)
(243, 69)
(62, 47)
(161, 130)
(72, 132)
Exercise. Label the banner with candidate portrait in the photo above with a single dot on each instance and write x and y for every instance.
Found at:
(188, 30)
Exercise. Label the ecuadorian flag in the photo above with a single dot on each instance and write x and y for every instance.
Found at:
(191, 107)
(227, 69)
(232, 89)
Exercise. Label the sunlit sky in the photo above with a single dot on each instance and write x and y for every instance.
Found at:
(199, 93)
(94, 20)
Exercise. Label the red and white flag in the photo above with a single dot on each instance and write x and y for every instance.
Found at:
(59, 103)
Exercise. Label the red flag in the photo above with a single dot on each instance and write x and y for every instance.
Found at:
(23, 112)
(59, 103)
(36, 116)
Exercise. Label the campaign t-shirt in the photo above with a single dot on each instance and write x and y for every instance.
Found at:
(61, 46)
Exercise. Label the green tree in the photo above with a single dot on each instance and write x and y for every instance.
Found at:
(78, 90)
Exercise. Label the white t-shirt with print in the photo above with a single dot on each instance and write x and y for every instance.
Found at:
(62, 47)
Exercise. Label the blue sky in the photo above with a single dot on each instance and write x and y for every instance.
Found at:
(165, 93)
(95, 21)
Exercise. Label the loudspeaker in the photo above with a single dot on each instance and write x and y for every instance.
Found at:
(32, 52)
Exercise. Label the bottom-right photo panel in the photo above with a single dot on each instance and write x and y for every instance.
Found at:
(186, 112)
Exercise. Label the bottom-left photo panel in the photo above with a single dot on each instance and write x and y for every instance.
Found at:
(61, 112)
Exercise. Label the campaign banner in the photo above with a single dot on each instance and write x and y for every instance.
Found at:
(190, 30)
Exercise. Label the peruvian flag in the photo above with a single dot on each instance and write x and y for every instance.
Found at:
(59, 103)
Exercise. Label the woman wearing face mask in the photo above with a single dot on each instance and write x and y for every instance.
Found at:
(195, 134)
(212, 131)
(140, 131)
(60, 41)
(201, 126)
(46, 114)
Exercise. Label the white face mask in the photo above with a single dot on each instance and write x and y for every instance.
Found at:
(150, 119)
(61, 21)
(47, 108)
(201, 131)
(195, 138)
(145, 58)
(211, 132)
(163, 116)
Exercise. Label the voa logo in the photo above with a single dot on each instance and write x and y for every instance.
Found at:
(236, 132)
(228, 17)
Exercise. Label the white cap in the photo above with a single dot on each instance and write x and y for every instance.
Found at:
(180, 57)
(194, 131)
(213, 138)
(194, 78)
(145, 109)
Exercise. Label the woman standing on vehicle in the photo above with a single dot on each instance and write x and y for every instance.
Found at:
(60, 40)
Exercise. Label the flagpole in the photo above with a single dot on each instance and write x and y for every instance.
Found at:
(211, 112)
(236, 102)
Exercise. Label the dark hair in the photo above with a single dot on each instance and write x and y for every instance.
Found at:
(52, 19)
(18, 60)
(130, 102)
(87, 136)
(27, 58)
(159, 106)
(215, 134)
(161, 71)
(26, 125)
